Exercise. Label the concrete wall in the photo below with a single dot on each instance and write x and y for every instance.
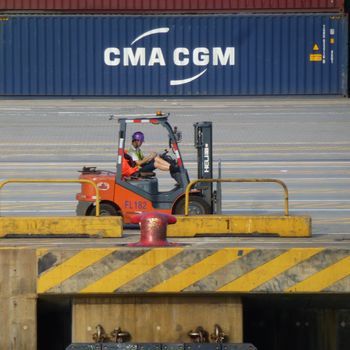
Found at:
(157, 318)
(18, 299)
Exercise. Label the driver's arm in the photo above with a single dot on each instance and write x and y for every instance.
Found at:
(146, 159)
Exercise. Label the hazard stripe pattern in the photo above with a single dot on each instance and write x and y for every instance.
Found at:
(183, 269)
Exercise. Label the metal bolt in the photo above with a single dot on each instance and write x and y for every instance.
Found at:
(120, 336)
(199, 335)
(100, 336)
(218, 336)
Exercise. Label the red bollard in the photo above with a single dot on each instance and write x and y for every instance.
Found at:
(153, 229)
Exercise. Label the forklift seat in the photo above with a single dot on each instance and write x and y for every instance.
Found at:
(141, 175)
(147, 184)
(146, 175)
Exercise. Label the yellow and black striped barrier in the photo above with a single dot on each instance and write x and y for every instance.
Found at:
(190, 270)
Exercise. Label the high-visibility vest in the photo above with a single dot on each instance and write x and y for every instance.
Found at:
(136, 153)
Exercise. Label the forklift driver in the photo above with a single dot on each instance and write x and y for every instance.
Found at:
(152, 161)
(130, 169)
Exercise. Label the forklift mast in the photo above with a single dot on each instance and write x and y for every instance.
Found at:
(203, 141)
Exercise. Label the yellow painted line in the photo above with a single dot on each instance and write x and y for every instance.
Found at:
(70, 267)
(324, 278)
(269, 270)
(131, 270)
(200, 270)
(14, 248)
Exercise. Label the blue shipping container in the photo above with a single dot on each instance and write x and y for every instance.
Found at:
(227, 55)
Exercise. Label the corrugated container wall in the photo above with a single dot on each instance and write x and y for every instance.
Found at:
(173, 5)
(173, 55)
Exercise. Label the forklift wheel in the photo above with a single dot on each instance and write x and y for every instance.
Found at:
(197, 206)
(105, 210)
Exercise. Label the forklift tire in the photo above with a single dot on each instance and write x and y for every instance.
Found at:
(197, 206)
(105, 210)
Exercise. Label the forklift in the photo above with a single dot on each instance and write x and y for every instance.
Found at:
(127, 196)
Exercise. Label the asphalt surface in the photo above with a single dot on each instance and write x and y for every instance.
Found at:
(304, 142)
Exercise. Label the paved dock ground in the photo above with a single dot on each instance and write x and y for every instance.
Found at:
(302, 141)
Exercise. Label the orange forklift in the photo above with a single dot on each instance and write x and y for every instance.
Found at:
(127, 196)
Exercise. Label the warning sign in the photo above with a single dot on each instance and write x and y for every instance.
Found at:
(315, 57)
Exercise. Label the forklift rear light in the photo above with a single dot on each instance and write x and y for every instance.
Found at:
(83, 197)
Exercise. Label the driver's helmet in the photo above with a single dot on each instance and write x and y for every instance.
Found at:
(138, 136)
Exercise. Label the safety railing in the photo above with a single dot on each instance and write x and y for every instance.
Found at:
(192, 183)
(97, 200)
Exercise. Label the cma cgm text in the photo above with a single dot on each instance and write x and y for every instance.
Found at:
(182, 56)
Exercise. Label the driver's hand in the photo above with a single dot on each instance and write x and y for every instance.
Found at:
(151, 156)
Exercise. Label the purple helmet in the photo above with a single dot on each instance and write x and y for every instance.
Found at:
(138, 136)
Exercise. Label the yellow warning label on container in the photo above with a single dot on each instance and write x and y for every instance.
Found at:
(315, 48)
(317, 57)
(331, 40)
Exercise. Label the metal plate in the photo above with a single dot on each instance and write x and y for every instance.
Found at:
(149, 346)
(172, 346)
(118, 346)
(203, 346)
(84, 346)
(232, 346)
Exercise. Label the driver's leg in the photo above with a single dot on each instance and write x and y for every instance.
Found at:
(161, 164)
(148, 167)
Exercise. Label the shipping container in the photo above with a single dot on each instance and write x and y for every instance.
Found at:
(225, 55)
(182, 6)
